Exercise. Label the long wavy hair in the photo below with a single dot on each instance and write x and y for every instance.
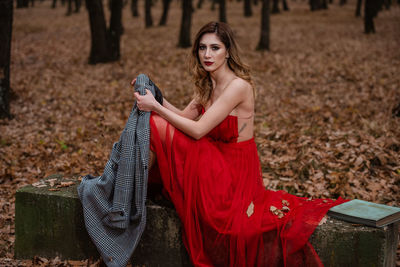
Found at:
(202, 80)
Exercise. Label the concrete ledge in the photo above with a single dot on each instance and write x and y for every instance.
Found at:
(50, 224)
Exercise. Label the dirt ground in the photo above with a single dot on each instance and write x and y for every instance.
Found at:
(325, 125)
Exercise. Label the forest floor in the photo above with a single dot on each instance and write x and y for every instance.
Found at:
(325, 125)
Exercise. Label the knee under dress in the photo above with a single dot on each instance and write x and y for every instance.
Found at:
(228, 217)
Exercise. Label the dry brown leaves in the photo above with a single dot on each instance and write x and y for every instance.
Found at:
(324, 126)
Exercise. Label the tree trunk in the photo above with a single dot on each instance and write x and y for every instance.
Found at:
(222, 11)
(199, 4)
(54, 4)
(22, 3)
(78, 4)
(147, 13)
(247, 8)
(285, 5)
(315, 5)
(69, 8)
(105, 43)
(369, 14)
(99, 48)
(387, 4)
(358, 8)
(115, 31)
(163, 20)
(324, 4)
(186, 22)
(134, 8)
(6, 18)
(265, 26)
(214, 2)
(275, 7)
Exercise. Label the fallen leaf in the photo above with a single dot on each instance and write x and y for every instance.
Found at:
(323, 220)
(250, 209)
(65, 184)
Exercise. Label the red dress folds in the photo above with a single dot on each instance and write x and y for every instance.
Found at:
(228, 217)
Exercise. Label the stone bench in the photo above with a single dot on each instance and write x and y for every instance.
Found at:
(50, 224)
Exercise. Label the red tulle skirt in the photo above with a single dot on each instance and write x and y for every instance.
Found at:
(228, 217)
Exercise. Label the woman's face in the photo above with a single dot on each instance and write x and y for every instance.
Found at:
(212, 52)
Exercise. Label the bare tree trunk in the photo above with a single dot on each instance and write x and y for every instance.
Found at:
(275, 7)
(115, 30)
(69, 8)
(98, 29)
(199, 4)
(315, 5)
(358, 8)
(6, 19)
(285, 5)
(163, 20)
(186, 22)
(105, 45)
(222, 10)
(22, 3)
(134, 8)
(247, 8)
(214, 2)
(387, 4)
(265, 26)
(78, 4)
(370, 11)
(147, 13)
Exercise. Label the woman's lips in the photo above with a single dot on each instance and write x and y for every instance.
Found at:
(207, 63)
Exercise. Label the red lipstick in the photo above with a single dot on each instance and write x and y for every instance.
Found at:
(208, 63)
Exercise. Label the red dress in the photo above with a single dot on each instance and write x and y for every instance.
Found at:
(228, 217)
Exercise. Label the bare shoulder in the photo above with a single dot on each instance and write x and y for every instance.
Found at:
(240, 86)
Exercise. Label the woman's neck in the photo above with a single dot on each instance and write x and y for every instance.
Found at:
(221, 77)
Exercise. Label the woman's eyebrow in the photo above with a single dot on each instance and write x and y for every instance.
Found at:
(215, 44)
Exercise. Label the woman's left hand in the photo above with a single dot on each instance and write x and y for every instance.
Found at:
(146, 102)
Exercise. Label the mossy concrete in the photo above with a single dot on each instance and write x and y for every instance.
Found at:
(339, 243)
(50, 224)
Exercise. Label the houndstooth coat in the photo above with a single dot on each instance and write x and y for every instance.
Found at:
(114, 203)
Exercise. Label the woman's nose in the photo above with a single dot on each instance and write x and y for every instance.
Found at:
(207, 54)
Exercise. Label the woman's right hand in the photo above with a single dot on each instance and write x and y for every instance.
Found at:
(146, 102)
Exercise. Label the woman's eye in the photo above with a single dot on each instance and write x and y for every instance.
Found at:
(215, 48)
(202, 47)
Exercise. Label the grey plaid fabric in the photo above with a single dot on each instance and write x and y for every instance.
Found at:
(114, 203)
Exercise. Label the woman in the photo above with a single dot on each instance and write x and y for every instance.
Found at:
(210, 168)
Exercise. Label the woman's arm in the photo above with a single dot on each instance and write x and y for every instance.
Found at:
(191, 111)
(232, 96)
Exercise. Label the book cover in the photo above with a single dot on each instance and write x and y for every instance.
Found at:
(364, 212)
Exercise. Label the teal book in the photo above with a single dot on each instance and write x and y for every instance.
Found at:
(364, 212)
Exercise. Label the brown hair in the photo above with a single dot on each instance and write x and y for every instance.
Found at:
(202, 80)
